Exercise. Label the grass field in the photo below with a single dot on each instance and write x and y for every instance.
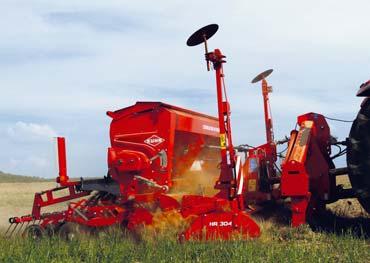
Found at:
(299, 245)
(342, 240)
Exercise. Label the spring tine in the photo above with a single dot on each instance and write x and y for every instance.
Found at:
(19, 229)
(10, 225)
(27, 224)
(11, 233)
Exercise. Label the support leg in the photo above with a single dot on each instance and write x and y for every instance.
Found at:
(299, 210)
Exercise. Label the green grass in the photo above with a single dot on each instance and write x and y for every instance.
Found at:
(287, 245)
(278, 242)
(12, 178)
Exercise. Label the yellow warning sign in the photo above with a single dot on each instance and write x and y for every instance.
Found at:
(252, 185)
(223, 141)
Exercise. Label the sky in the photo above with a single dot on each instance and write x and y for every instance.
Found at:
(63, 64)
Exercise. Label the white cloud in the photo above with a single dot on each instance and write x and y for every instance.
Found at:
(30, 131)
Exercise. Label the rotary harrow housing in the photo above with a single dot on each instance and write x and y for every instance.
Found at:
(163, 157)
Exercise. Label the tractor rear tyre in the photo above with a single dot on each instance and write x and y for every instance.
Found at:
(358, 155)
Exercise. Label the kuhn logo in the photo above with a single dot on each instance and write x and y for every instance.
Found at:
(154, 140)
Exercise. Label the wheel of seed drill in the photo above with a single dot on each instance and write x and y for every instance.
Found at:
(34, 232)
(358, 155)
(71, 231)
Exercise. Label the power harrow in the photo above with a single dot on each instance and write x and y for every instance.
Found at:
(159, 152)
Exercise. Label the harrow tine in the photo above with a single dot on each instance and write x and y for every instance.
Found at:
(6, 232)
(27, 225)
(19, 229)
(15, 227)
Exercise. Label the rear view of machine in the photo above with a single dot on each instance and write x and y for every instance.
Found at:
(164, 158)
